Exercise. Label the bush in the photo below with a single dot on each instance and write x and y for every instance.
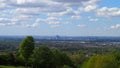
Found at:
(101, 61)
(42, 58)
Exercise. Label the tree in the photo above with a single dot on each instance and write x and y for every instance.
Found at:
(43, 58)
(26, 48)
(116, 55)
(101, 61)
(61, 59)
(78, 59)
(67, 61)
(58, 56)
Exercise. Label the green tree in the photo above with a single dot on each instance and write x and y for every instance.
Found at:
(26, 48)
(67, 61)
(61, 59)
(116, 55)
(78, 59)
(101, 61)
(43, 58)
(58, 56)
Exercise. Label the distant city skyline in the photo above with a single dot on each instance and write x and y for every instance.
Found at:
(60, 17)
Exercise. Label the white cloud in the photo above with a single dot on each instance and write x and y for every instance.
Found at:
(39, 20)
(41, 5)
(29, 3)
(23, 24)
(5, 20)
(21, 11)
(81, 25)
(117, 26)
(91, 2)
(2, 24)
(93, 19)
(3, 5)
(71, 2)
(92, 7)
(23, 18)
(75, 17)
(82, 8)
(54, 23)
(108, 12)
(68, 11)
(54, 26)
(49, 19)
(15, 22)
(34, 25)
(53, 19)
(89, 8)
(26, 11)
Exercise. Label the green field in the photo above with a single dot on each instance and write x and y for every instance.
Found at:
(10, 67)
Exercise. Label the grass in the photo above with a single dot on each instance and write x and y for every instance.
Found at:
(10, 67)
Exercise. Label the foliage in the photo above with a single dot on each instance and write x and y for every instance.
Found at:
(116, 55)
(78, 59)
(62, 59)
(101, 61)
(42, 58)
(66, 66)
(4, 59)
(57, 56)
(26, 47)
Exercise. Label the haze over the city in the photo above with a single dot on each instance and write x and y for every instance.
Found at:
(60, 17)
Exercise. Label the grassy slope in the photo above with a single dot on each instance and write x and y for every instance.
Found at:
(10, 67)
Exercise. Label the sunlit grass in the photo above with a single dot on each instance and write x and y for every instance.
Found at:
(11, 67)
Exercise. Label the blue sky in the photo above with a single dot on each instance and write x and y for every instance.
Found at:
(60, 17)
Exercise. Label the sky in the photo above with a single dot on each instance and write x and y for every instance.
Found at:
(60, 17)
